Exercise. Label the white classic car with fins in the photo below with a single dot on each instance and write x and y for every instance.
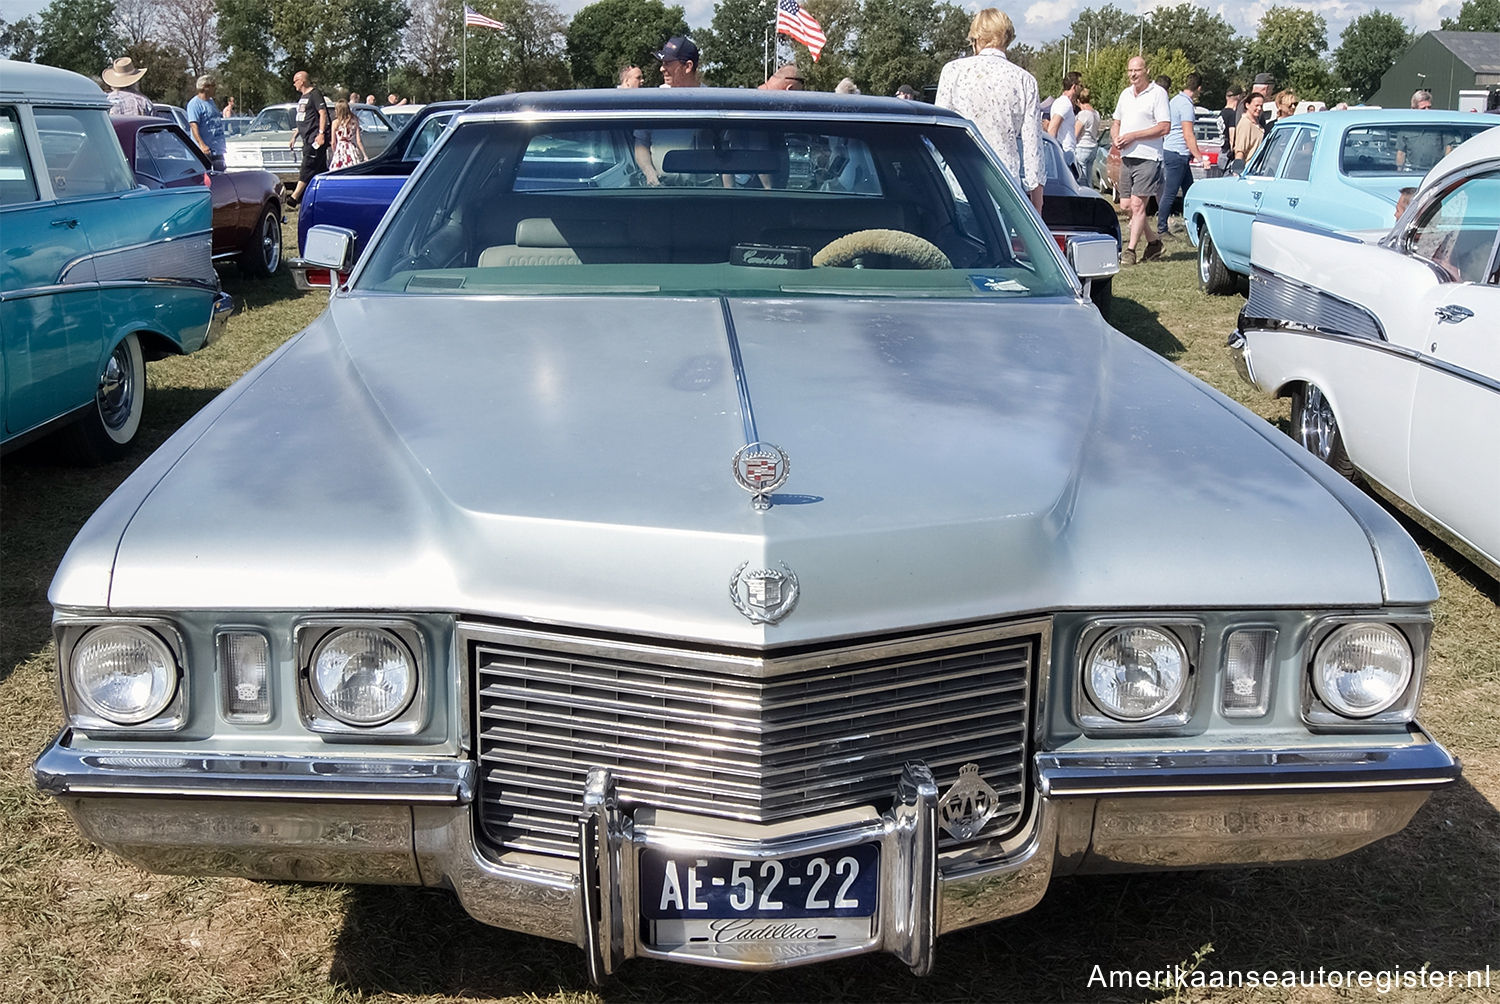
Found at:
(716, 526)
(1390, 349)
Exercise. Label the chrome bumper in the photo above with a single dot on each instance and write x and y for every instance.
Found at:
(409, 822)
(1239, 349)
(218, 320)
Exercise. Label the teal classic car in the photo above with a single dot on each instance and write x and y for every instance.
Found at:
(97, 275)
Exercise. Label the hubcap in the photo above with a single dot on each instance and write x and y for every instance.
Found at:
(1203, 252)
(1316, 424)
(270, 245)
(116, 388)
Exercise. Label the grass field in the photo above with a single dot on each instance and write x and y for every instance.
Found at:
(77, 924)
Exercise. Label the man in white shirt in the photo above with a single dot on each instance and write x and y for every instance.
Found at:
(1140, 121)
(1060, 118)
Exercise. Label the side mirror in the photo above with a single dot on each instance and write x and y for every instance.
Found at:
(1093, 256)
(1235, 167)
(329, 247)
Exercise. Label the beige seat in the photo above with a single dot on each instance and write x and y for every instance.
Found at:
(541, 241)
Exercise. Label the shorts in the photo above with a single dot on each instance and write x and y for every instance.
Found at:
(1139, 177)
(314, 162)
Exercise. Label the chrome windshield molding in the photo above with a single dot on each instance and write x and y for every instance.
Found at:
(1420, 765)
(65, 770)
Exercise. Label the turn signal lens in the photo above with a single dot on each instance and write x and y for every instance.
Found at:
(363, 676)
(1248, 654)
(1135, 673)
(1362, 669)
(245, 669)
(124, 673)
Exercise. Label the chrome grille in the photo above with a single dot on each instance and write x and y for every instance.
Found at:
(738, 736)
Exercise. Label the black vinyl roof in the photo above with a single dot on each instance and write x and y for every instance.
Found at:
(712, 99)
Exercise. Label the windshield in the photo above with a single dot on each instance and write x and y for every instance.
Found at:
(273, 120)
(684, 205)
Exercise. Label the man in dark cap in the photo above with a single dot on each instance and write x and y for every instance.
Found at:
(1264, 84)
(679, 62)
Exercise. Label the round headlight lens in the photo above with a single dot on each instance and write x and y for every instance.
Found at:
(363, 676)
(1135, 673)
(124, 673)
(1362, 669)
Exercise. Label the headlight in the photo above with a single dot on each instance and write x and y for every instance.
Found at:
(1135, 673)
(363, 676)
(124, 673)
(1362, 669)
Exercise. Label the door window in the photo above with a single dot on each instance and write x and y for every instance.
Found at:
(1263, 165)
(17, 186)
(1459, 230)
(1299, 162)
(164, 155)
(83, 156)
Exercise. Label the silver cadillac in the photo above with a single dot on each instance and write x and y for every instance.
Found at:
(718, 527)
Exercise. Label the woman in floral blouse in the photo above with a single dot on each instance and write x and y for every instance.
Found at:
(1000, 98)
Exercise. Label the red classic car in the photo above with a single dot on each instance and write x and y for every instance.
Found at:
(247, 204)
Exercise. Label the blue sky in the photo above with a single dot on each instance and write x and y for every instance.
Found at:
(1041, 21)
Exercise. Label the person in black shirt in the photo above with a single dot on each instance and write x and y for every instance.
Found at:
(1228, 114)
(312, 129)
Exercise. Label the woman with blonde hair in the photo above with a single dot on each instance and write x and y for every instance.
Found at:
(1000, 98)
(348, 148)
(1286, 103)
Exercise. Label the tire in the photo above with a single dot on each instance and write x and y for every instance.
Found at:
(108, 429)
(1316, 428)
(1214, 277)
(262, 255)
(1101, 291)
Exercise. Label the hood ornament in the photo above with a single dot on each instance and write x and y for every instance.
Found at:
(764, 595)
(968, 805)
(760, 469)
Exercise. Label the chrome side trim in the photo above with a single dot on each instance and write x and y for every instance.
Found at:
(63, 770)
(1300, 306)
(1424, 765)
(181, 255)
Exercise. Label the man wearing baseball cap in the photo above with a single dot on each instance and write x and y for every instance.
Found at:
(679, 68)
(126, 98)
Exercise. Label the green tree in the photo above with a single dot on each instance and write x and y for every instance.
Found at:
(529, 55)
(610, 34)
(77, 35)
(901, 42)
(1101, 27)
(1475, 15)
(431, 53)
(245, 34)
(1289, 44)
(363, 41)
(1368, 47)
(1104, 72)
(168, 78)
(20, 39)
(1207, 40)
(840, 21)
(739, 44)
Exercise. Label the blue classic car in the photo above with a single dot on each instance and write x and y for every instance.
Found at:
(1338, 170)
(98, 275)
(357, 197)
(762, 560)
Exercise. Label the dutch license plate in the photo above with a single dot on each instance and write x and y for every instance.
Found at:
(812, 898)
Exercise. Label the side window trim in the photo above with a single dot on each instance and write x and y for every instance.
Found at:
(20, 189)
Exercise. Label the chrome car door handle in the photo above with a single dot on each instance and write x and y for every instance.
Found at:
(1453, 313)
(69, 223)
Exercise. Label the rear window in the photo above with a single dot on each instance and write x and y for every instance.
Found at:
(1400, 149)
(687, 204)
(82, 153)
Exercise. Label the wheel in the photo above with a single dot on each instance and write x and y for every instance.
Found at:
(1314, 426)
(1214, 276)
(262, 254)
(109, 427)
(915, 251)
(1101, 291)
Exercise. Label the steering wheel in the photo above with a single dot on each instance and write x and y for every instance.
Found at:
(915, 251)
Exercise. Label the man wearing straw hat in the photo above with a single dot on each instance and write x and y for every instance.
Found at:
(126, 98)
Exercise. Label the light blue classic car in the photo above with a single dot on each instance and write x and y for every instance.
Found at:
(763, 559)
(1340, 170)
(97, 276)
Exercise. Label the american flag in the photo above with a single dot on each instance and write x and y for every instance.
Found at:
(792, 20)
(478, 20)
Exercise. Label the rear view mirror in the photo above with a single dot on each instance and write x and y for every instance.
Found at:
(724, 161)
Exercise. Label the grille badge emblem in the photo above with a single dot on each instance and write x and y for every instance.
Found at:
(764, 595)
(760, 469)
(968, 805)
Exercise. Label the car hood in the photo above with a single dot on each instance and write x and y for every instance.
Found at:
(568, 460)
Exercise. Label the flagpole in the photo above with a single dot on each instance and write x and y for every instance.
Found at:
(466, 57)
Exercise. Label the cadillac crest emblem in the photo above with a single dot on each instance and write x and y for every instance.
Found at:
(968, 805)
(764, 595)
(760, 469)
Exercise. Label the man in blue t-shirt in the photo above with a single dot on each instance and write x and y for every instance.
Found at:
(1179, 150)
(207, 122)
